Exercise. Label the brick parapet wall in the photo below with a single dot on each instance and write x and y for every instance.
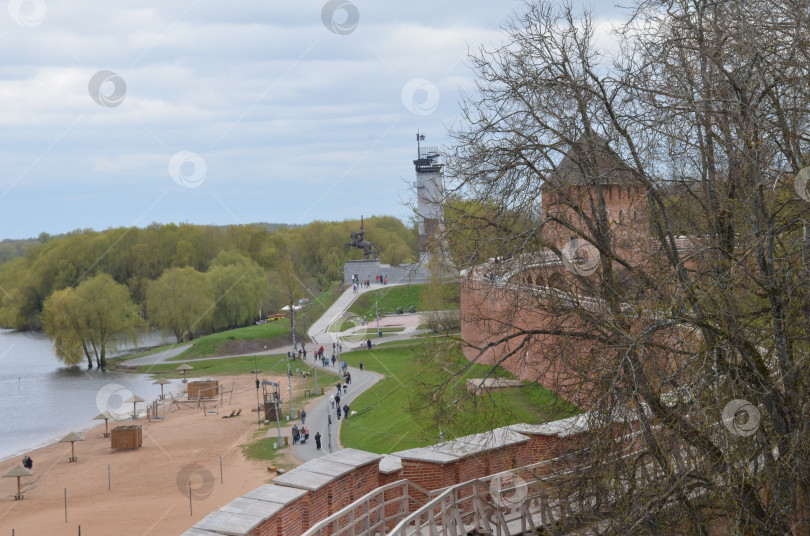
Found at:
(330, 494)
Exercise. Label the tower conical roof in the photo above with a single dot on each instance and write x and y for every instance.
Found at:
(590, 161)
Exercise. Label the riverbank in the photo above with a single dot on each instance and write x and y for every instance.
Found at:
(148, 491)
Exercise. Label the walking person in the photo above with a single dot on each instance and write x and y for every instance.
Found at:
(346, 410)
(318, 441)
(333, 361)
(338, 412)
(361, 366)
(332, 400)
(303, 417)
(368, 344)
(295, 434)
(348, 377)
(337, 400)
(345, 388)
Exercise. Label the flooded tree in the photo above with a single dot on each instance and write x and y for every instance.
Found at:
(92, 321)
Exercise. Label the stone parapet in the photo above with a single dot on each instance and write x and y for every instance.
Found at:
(326, 486)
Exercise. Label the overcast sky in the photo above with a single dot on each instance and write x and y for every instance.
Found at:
(210, 112)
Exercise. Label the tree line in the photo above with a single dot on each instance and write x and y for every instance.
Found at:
(93, 290)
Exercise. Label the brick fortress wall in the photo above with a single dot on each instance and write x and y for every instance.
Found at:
(306, 495)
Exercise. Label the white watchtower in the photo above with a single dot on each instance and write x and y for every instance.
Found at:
(429, 193)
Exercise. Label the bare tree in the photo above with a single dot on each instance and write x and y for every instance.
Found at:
(664, 285)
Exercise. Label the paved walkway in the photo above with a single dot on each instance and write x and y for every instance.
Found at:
(318, 332)
(318, 413)
(320, 409)
(318, 416)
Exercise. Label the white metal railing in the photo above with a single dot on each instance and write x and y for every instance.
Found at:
(373, 513)
(512, 502)
(516, 501)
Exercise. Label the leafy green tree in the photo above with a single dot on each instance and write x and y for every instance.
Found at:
(287, 287)
(65, 328)
(239, 285)
(95, 319)
(180, 302)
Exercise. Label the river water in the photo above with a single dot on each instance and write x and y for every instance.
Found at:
(42, 400)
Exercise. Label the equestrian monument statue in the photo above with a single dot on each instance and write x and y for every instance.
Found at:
(359, 241)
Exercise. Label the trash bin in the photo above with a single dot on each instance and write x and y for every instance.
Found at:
(412, 309)
(399, 310)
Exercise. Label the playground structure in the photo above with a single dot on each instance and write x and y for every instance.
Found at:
(272, 401)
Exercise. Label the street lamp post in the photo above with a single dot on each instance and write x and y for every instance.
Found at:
(289, 381)
(377, 307)
(258, 404)
(277, 403)
(329, 428)
(292, 312)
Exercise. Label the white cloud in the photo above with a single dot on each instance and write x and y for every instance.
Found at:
(281, 108)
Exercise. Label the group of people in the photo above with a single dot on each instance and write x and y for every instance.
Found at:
(325, 360)
(300, 434)
(299, 352)
(365, 284)
(335, 400)
(357, 284)
(27, 462)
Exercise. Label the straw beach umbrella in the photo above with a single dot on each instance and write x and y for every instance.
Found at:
(134, 399)
(161, 382)
(184, 367)
(106, 416)
(71, 438)
(19, 471)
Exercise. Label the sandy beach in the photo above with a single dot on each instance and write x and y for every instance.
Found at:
(148, 494)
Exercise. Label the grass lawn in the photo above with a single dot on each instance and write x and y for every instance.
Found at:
(271, 333)
(261, 448)
(373, 330)
(389, 299)
(391, 417)
(211, 345)
(230, 366)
